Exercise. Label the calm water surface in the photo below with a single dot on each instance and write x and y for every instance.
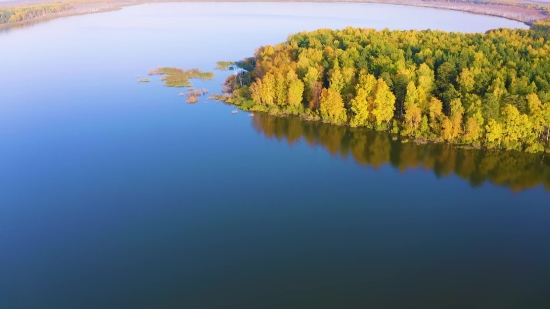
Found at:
(117, 194)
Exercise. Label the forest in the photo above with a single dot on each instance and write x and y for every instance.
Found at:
(541, 25)
(16, 14)
(479, 90)
(517, 171)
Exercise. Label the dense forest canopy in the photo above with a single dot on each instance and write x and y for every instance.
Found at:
(489, 89)
(541, 25)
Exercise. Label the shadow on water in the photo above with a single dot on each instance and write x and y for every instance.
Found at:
(515, 170)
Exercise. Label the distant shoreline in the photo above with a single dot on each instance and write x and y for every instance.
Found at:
(525, 16)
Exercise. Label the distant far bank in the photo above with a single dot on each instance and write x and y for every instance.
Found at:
(19, 13)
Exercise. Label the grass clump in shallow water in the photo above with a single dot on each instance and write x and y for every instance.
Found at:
(193, 95)
(174, 77)
(224, 65)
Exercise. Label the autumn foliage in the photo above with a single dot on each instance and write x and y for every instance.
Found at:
(489, 89)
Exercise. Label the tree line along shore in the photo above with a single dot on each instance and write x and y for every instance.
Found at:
(527, 12)
(481, 90)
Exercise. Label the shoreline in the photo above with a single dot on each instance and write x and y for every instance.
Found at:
(394, 136)
(93, 8)
(72, 12)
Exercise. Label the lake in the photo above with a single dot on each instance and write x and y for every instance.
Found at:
(118, 194)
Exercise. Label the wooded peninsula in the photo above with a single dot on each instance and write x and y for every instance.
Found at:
(479, 90)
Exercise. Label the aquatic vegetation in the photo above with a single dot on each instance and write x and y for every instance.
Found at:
(224, 65)
(225, 98)
(193, 95)
(175, 77)
(143, 80)
(192, 99)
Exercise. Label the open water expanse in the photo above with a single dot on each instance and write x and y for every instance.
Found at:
(118, 194)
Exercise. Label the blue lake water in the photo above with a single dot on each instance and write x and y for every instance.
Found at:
(118, 194)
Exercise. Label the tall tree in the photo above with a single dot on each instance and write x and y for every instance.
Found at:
(384, 104)
(332, 106)
(361, 105)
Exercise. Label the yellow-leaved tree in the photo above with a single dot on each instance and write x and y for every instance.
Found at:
(494, 132)
(332, 106)
(457, 115)
(435, 109)
(473, 130)
(256, 91)
(515, 127)
(281, 89)
(268, 89)
(536, 117)
(336, 78)
(413, 112)
(384, 104)
(295, 92)
(413, 119)
(465, 81)
(361, 104)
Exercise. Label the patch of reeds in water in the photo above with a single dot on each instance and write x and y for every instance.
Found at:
(193, 95)
(224, 65)
(175, 77)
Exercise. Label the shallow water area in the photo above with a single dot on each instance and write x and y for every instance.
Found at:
(118, 194)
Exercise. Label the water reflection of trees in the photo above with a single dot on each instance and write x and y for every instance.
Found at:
(516, 170)
(21, 25)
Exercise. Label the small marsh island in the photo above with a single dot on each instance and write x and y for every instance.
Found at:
(180, 78)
